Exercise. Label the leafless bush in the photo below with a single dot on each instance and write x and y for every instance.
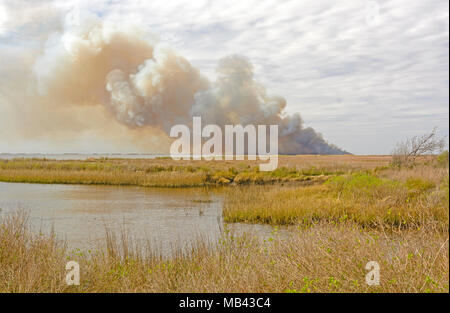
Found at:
(406, 152)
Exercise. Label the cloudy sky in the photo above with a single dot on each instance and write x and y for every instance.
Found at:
(365, 74)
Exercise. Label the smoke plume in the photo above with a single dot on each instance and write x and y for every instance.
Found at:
(120, 79)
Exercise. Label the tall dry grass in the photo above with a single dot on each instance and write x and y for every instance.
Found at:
(323, 258)
(388, 198)
(122, 178)
(365, 211)
(170, 173)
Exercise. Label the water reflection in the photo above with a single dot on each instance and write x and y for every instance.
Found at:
(166, 217)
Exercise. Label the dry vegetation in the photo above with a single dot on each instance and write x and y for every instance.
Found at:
(165, 172)
(402, 198)
(321, 258)
(365, 209)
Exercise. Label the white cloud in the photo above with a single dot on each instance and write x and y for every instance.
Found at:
(364, 73)
(3, 18)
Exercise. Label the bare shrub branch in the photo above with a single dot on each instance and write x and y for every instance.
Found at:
(406, 152)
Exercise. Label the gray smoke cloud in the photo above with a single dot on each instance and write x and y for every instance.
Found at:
(146, 86)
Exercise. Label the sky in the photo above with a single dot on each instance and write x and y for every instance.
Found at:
(365, 74)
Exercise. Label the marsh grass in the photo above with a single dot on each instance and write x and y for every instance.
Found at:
(364, 198)
(162, 172)
(356, 210)
(123, 178)
(322, 258)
